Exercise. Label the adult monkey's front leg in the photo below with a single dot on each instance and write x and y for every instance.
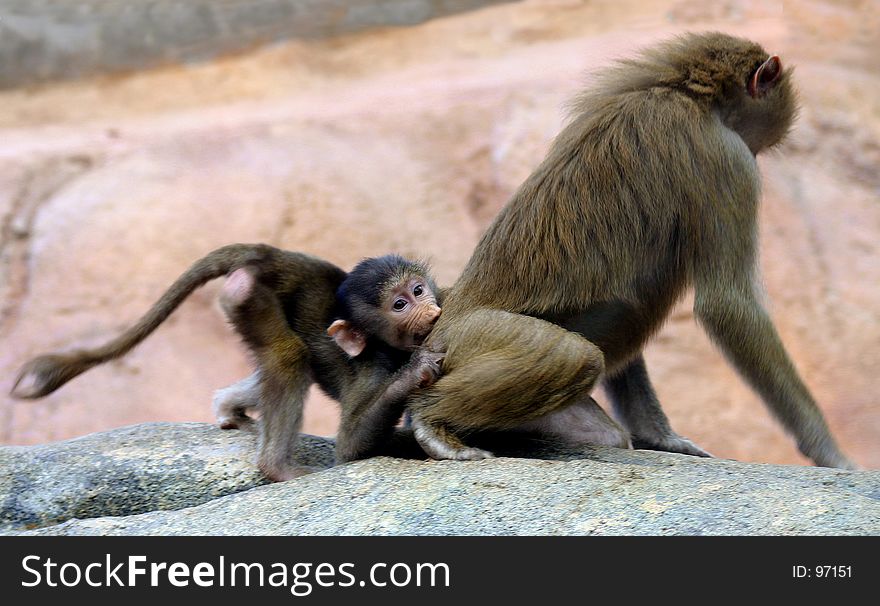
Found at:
(637, 407)
(736, 321)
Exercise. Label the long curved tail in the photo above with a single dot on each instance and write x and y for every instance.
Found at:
(44, 374)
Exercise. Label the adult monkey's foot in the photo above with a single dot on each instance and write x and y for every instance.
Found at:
(671, 442)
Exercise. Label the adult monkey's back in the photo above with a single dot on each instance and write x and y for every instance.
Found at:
(651, 188)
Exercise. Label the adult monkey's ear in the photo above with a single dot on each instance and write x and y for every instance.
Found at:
(765, 77)
(350, 339)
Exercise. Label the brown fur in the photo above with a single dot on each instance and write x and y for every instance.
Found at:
(650, 189)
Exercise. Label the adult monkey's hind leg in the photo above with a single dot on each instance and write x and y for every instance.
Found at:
(284, 376)
(584, 423)
(501, 370)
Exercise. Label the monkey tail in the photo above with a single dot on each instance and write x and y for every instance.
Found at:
(44, 374)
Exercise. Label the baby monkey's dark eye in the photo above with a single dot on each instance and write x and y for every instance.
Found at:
(399, 304)
(418, 290)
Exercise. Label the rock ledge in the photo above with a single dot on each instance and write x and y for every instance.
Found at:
(193, 479)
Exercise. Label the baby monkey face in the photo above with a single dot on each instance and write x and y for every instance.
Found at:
(412, 311)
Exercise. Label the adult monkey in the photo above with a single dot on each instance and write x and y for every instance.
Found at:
(652, 187)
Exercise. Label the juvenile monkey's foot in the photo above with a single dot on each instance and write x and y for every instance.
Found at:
(287, 471)
(670, 443)
(439, 443)
(241, 421)
(231, 404)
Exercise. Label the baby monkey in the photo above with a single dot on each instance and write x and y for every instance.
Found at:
(282, 303)
(384, 309)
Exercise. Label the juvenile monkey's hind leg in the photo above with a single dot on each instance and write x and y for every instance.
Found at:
(231, 404)
(284, 375)
(501, 370)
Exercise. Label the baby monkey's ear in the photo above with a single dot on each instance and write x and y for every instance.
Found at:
(350, 339)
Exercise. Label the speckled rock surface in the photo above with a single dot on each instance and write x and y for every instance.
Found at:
(132, 470)
(596, 491)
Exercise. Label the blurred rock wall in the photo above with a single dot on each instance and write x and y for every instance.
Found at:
(51, 39)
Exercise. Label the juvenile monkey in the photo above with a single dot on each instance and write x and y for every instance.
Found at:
(651, 188)
(282, 304)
